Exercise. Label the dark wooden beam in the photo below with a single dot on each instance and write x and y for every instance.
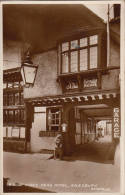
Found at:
(89, 98)
(68, 99)
(82, 99)
(75, 99)
(104, 97)
(96, 97)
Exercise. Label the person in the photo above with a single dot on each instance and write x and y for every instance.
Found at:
(58, 150)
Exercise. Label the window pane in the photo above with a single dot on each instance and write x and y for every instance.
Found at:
(74, 61)
(21, 99)
(10, 99)
(5, 99)
(16, 116)
(16, 98)
(4, 116)
(22, 116)
(16, 84)
(93, 39)
(10, 116)
(93, 57)
(15, 132)
(83, 59)
(4, 85)
(57, 121)
(65, 62)
(65, 46)
(55, 118)
(10, 85)
(74, 44)
(83, 42)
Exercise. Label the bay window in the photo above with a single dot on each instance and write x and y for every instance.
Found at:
(80, 54)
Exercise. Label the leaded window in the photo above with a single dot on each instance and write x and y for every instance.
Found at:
(54, 119)
(13, 116)
(79, 55)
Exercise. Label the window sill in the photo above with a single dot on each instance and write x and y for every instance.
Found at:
(48, 133)
(85, 73)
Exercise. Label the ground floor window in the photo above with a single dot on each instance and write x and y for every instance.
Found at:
(53, 119)
(14, 132)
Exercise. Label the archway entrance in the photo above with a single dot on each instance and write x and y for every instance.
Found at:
(93, 123)
(90, 132)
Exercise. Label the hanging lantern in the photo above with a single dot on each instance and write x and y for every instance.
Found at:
(28, 71)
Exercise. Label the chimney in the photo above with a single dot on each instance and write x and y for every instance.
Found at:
(116, 11)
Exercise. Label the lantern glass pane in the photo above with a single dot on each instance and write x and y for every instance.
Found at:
(29, 74)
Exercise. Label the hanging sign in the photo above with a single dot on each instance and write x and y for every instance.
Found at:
(116, 122)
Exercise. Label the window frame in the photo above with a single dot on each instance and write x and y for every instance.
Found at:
(49, 126)
(101, 37)
(19, 121)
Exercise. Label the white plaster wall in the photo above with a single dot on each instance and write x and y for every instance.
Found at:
(11, 54)
(39, 143)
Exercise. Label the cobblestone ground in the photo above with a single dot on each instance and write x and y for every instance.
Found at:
(73, 174)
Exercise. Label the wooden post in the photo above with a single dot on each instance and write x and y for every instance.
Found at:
(28, 124)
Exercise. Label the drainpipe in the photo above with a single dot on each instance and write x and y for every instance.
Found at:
(108, 38)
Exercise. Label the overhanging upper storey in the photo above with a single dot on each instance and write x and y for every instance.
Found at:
(81, 57)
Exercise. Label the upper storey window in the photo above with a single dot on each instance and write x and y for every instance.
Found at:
(79, 55)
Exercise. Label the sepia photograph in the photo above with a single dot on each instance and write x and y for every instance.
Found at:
(61, 97)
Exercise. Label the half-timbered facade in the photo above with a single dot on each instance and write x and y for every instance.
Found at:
(75, 90)
(13, 110)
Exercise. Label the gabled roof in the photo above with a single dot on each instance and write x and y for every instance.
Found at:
(43, 25)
